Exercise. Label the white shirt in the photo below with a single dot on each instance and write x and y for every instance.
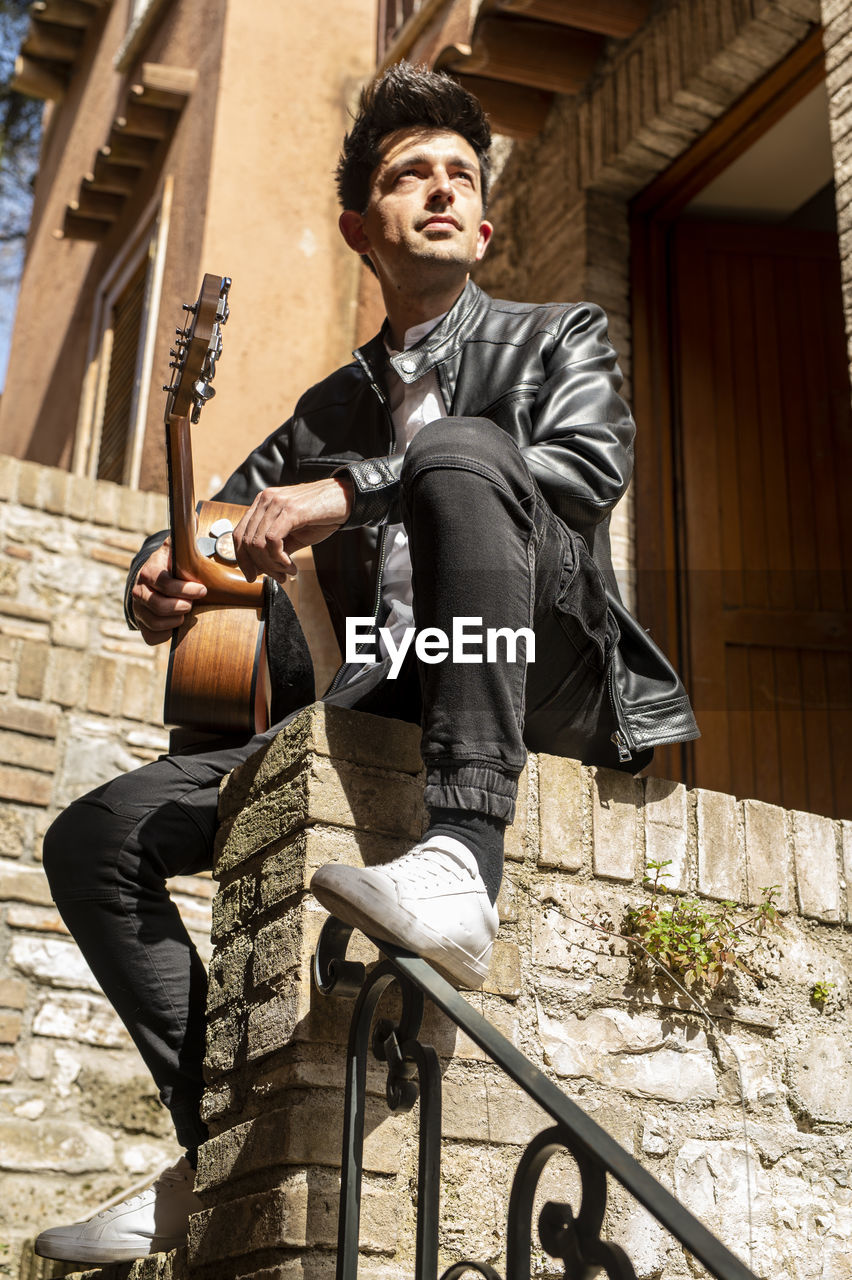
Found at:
(412, 405)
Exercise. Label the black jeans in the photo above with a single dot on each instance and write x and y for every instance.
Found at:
(484, 545)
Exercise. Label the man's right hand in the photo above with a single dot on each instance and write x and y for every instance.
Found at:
(160, 602)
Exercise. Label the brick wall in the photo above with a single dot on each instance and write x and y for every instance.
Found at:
(837, 41)
(80, 701)
(339, 785)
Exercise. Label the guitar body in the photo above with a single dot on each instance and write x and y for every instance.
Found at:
(218, 678)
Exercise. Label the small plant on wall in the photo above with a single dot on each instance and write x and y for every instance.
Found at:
(698, 944)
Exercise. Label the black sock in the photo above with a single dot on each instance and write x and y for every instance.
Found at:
(480, 833)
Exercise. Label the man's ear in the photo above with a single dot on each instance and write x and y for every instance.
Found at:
(352, 229)
(485, 232)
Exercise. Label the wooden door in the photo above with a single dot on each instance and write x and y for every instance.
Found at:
(763, 428)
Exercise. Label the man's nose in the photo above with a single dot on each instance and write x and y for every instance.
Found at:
(441, 187)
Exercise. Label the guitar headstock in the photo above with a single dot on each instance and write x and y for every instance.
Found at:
(197, 349)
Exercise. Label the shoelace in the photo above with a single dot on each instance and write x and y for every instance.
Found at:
(168, 1177)
(428, 866)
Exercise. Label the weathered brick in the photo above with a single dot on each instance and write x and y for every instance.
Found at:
(16, 830)
(489, 1108)
(71, 630)
(103, 683)
(504, 974)
(13, 993)
(31, 478)
(299, 1214)
(32, 671)
(133, 510)
(307, 1130)
(66, 677)
(665, 813)
(846, 852)
(8, 1065)
(8, 478)
(326, 731)
(517, 834)
(563, 789)
(10, 1027)
(55, 488)
(42, 721)
(23, 884)
(335, 793)
(38, 919)
(616, 799)
(720, 858)
(79, 497)
(25, 787)
(815, 858)
(136, 694)
(767, 861)
(27, 752)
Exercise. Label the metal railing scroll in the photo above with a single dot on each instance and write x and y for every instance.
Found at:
(413, 1071)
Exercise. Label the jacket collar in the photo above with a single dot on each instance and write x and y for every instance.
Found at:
(444, 342)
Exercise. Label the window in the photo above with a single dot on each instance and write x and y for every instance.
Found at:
(114, 405)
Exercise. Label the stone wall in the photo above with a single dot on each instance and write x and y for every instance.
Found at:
(80, 701)
(645, 1064)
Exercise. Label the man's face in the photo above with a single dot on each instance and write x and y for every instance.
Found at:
(425, 209)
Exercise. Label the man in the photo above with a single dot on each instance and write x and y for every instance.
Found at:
(459, 473)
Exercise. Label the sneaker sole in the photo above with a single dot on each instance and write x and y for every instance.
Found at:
(375, 915)
(70, 1249)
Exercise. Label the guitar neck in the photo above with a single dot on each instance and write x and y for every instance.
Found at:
(225, 583)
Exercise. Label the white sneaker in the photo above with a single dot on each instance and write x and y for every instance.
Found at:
(431, 901)
(152, 1221)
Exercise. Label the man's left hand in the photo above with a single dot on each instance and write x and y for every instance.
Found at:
(281, 521)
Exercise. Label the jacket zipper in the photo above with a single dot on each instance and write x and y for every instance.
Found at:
(377, 598)
(623, 743)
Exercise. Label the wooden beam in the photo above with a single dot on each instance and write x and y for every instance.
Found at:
(135, 152)
(618, 18)
(512, 109)
(140, 121)
(117, 179)
(54, 43)
(37, 80)
(100, 205)
(537, 54)
(76, 228)
(65, 13)
(162, 86)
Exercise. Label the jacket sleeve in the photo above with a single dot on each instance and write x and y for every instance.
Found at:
(581, 438)
(271, 463)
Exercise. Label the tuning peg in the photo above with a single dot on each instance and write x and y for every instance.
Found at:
(167, 386)
(189, 306)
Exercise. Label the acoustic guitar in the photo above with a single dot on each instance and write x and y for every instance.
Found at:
(217, 677)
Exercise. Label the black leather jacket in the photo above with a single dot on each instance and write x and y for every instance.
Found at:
(545, 374)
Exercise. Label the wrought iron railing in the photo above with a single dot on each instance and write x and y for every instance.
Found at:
(574, 1237)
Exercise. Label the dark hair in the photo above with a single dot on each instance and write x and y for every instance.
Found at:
(407, 97)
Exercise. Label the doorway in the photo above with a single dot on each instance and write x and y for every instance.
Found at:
(743, 537)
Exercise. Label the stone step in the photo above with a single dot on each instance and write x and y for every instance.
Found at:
(159, 1266)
